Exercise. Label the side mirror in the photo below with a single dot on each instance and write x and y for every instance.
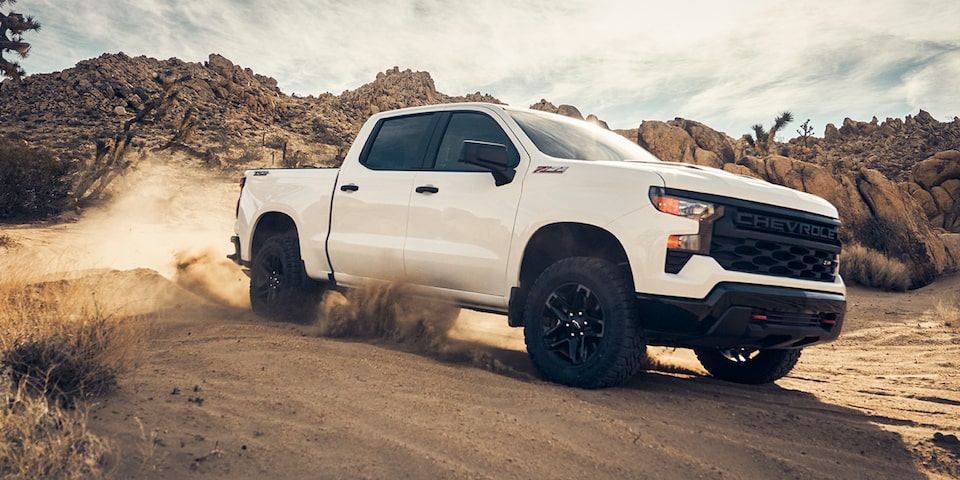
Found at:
(493, 157)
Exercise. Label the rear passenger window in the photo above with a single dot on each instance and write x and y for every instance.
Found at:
(399, 143)
(468, 126)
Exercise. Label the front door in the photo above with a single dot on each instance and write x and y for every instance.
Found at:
(460, 224)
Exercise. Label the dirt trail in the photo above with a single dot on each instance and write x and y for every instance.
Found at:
(224, 394)
(227, 394)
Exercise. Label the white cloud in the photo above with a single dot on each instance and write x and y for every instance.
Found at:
(727, 65)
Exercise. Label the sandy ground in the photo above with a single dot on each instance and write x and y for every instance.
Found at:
(221, 393)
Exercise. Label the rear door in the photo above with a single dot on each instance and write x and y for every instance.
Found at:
(369, 215)
(460, 224)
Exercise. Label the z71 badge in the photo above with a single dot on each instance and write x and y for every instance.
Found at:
(549, 169)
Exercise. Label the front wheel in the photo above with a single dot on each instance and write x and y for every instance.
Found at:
(746, 365)
(279, 286)
(580, 324)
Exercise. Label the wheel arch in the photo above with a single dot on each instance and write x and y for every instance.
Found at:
(556, 241)
(269, 225)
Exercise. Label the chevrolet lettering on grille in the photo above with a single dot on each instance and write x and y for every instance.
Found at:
(780, 225)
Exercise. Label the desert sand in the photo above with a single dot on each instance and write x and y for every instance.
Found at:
(221, 393)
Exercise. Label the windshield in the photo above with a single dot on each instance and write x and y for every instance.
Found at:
(572, 139)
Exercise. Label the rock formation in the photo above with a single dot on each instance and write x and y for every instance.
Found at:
(568, 111)
(245, 120)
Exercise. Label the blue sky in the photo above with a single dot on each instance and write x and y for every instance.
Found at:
(726, 64)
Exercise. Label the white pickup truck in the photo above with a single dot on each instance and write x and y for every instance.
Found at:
(586, 240)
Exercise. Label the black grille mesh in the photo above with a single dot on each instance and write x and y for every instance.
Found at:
(774, 258)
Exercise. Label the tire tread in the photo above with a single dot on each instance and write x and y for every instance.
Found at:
(631, 349)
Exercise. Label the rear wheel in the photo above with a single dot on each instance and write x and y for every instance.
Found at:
(747, 365)
(580, 324)
(279, 286)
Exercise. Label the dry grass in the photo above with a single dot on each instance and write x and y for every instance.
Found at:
(40, 440)
(947, 313)
(871, 268)
(57, 347)
(57, 339)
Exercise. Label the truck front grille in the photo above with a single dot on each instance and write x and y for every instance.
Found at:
(768, 240)
(764, 239)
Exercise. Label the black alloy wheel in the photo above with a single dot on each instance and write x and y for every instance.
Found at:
(581, 324)
(279, 286)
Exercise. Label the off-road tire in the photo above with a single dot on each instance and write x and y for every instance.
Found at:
(748, 366)
(279, 286)
(581, 326)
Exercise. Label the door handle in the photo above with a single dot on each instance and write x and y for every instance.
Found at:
(349, 188)
(427, 189)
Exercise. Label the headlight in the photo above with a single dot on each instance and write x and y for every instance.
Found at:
(702, 211)
(682, 207)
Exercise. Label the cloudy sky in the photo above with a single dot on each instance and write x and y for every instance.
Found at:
(727, 64)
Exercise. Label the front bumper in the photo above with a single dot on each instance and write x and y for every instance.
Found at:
(737, 315)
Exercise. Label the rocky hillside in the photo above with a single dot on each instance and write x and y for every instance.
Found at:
(243, 118)
(886, 146)
(896, 183)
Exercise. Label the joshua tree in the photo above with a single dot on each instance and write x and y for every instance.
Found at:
(805, 131)
(12, 27)
(765, 142)
(110, 158)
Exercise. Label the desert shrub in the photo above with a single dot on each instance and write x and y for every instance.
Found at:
(57, 346)
(948, 314)
(56, 340)
(33, 181)
(40, 440)
(69, 362)
(871, 268)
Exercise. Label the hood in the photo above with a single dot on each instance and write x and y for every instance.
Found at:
(696, 178)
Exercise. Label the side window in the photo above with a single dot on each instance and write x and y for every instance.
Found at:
(467, 126)
(399, 143)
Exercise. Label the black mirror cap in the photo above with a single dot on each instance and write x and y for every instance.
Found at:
(493, 157)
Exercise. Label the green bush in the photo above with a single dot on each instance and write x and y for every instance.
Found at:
(33, 181)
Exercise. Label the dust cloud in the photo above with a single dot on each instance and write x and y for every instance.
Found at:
(208, 274)
(391, 313)
(164, 206)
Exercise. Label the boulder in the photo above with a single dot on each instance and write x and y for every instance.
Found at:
(667, 142)
(755, 164)
(596, 121)
(951, 242)
(830, 133)
(937, 169)
(897, 229)
(947, 196)
(708, 139)
(544, 106)
(740, 170)
(220, 64)
(570, 111)
(926, 202)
